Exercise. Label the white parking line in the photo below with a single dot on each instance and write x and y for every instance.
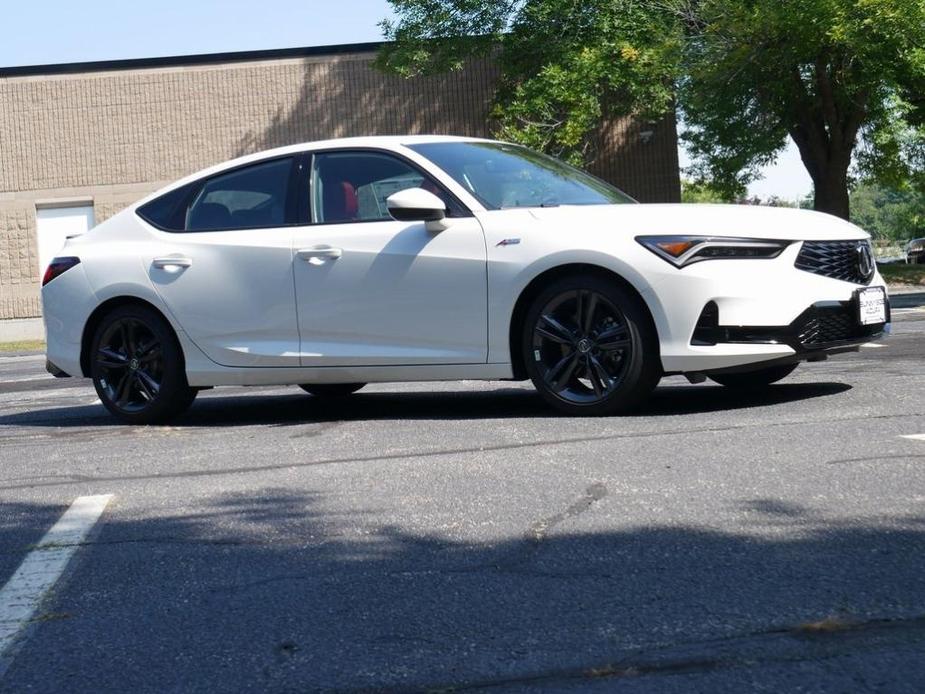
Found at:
(873, 344)
(30, 379)
(43, 566)
(914, 437)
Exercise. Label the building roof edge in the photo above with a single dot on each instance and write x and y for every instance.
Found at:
(188, 60)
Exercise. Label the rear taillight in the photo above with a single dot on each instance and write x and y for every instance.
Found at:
(59, 266)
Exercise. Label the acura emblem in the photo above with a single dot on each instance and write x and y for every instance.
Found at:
(865, 261)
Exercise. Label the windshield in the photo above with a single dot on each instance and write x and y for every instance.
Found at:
(502, 176)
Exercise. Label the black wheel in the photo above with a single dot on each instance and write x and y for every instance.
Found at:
(331, 390)
(137, 367)
(759, 378)
(589, 347)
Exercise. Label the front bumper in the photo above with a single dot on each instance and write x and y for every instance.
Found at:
(767, 311)
(825, 325)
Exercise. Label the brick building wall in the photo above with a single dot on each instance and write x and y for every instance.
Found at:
(109, 135)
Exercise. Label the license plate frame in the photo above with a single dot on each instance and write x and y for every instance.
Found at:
(871, 306)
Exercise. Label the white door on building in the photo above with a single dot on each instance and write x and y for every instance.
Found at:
(54, 225)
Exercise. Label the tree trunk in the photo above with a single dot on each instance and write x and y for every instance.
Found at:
(831, 193)
(827, 163)
(825, 130)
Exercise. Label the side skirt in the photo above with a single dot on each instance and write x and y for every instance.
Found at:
(274, 376)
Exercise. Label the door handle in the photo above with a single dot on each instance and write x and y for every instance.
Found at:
(171, 262)
(320, 253)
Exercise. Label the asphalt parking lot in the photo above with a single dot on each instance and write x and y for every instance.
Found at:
(460, 536)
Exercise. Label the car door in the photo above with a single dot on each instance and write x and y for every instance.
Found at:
(371, 290)
(222, 263)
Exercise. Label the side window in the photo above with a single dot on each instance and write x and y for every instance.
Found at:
(168, 212)
(246, 198)
(354, 186)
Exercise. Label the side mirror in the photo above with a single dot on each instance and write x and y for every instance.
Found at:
(418, 205)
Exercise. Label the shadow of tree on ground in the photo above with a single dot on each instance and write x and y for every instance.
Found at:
(271, 591)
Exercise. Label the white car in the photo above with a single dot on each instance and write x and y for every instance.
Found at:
(334, 264)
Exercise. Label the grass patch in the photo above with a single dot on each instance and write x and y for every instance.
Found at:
(901, 273)
(23, 346)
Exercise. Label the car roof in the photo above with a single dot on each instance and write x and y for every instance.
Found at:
(387, 141)
(378, 141)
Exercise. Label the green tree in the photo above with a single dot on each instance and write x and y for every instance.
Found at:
(828, 73)
(564, 65)
(889, 214)
(844, 78)
(704, 193)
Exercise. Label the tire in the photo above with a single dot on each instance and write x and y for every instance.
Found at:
(589, 347)
(331, 390)
(760, 378)
(137, 366)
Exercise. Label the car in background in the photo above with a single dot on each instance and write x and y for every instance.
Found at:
(915, 251)
(333, 264)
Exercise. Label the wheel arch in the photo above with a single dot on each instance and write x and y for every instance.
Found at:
(542, 280)
(93, 322)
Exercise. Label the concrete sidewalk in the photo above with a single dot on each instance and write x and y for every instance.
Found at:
(19, 329)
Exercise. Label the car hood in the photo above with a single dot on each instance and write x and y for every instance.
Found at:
(705, 220)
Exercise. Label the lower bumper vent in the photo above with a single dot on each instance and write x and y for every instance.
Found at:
(821, 326)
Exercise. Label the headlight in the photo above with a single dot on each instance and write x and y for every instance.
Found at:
(684, 250)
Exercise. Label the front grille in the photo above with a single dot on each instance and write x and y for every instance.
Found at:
(835, 259)
(826, 325)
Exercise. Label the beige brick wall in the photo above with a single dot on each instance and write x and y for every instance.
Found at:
(143, 125)
(115, 136)
(18, 263)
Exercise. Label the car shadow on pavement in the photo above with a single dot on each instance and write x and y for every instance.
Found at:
(269, 591)
(503, 403)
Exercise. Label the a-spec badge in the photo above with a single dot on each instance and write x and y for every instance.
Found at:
(508, 242)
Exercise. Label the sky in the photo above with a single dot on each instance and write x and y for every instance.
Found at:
(43, 32)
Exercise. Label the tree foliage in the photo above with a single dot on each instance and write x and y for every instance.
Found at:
(889, 213)
(828, 73)
(564, 65)
(700, 192)
(844, 78)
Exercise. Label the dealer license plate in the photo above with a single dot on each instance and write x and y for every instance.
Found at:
(872, 305)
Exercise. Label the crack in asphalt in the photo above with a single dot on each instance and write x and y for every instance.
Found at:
(875, 459)
(790, 644)
(539, 530)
